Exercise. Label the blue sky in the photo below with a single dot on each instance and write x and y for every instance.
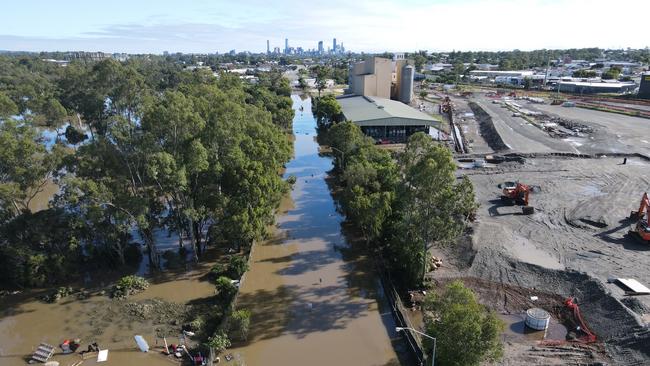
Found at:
(362, 25)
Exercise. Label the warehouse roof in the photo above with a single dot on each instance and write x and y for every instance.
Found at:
(603, 84)
(363, 109)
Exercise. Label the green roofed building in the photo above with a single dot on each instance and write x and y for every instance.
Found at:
(384, 119)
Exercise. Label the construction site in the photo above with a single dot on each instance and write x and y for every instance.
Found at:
(563, 225)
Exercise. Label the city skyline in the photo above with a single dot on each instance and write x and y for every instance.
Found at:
(203, 26)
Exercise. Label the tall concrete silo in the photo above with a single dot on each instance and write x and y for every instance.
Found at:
(644, 87)
(406, 84)
(351, 77)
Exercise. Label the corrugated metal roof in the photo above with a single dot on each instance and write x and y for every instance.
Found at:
(603, 84)
(363, 110)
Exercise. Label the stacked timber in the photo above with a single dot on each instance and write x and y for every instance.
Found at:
(435, 263)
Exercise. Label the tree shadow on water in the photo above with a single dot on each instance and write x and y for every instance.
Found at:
(300, 311)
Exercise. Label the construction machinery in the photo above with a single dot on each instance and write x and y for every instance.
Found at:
(642, 226)
(517, 193)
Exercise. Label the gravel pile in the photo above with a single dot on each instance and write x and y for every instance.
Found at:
(487, 129)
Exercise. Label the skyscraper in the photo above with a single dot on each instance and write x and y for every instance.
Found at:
(320, 47)
(268, 47)
(286, 45)
(334, 46)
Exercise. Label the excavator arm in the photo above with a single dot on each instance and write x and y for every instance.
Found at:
(643, 206)
(526, 193)
(643, 218)
(523, 191)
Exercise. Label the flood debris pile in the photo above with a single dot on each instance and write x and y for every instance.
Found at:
(167, 317)
(58, 294)
(559, 127)
(129, 285)
(577, 127)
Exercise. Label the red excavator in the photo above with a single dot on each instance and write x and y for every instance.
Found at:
(642, 227)
(517, 193)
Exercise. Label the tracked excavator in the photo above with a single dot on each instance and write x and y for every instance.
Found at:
(642, 227)
(517, 193)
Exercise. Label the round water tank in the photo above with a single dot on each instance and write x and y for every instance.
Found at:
(537, 318)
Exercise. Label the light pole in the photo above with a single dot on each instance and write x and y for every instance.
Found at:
(433, 353)
(342, 157)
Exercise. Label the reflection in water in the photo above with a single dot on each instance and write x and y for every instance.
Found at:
(314, 298)
(516, 329)
(26, 322)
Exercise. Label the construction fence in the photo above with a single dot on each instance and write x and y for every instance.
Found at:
(399, 312)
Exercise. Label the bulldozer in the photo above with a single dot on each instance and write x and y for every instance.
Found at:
(642, 226)
(517, 193)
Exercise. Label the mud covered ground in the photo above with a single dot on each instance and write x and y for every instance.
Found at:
(171, 301)
(576, 240)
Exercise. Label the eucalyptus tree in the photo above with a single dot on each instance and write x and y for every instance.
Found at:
(7, 106)
(26, 166)
(435, 205)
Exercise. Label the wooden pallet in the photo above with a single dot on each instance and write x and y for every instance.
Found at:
(43, 352)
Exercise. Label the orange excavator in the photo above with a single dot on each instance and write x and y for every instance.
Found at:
(642, 227)
(517, 193)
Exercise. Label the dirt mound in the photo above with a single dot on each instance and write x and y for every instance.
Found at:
(610, 319)
(607, 317)
(487, 129)
(635, 305)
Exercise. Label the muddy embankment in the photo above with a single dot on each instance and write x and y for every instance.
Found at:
(626, 340)
(487, 129)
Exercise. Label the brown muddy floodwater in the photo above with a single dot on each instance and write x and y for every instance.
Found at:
(25, 322)
(314, 299)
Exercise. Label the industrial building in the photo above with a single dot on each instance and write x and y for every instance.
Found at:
(583, 87)
(383, 78)
(385, 119)
(644, 88)
(496, 73)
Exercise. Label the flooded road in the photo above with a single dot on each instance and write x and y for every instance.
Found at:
(314, 299)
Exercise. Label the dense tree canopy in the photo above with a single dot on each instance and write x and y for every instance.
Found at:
(327, 110)
(467, 333)
(181, 151)
(402, 206)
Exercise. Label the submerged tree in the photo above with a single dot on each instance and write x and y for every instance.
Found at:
(26, 166)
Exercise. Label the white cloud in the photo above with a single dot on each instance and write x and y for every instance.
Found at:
(368, 25)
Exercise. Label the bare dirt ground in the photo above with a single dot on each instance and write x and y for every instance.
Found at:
(470, 127)
(609, 133)
(576, 240)
(613, 133)
(518, 134)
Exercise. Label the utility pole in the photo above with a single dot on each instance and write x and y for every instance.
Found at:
(433, 353)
